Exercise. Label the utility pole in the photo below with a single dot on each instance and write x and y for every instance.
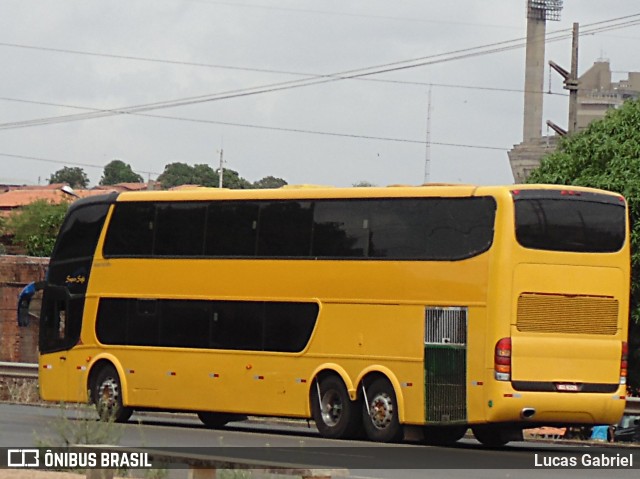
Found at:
(571, 84)
(427, 156)
(221, 169)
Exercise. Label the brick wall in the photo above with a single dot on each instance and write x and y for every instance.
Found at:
(18, 344)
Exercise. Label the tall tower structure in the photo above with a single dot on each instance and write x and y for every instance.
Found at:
(538, 12)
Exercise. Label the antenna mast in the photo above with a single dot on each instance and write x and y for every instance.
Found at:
(427, 155)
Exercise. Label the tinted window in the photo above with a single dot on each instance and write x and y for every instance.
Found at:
(341, 229)
(284, 229)
(412, 228)
(185, 324)
(394, 228)
(232, 229)
(111, 326)
(570, 225)
(288, 326)
(80, 232)
(143, 323)
(238, 325)
(458, 228)
(131, 230)
(179, 229)
(60, 320)
(234, 325)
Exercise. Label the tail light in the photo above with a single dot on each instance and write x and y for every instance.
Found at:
(502, 360)
(623, 362)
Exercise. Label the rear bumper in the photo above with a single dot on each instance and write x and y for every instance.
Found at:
(509, 405)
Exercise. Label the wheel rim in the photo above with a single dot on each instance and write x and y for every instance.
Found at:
(108, 395)
(331, 408)
(381, 411)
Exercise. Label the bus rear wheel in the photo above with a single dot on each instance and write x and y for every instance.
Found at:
(333, 411)
(107, 396)
(495, 436)
(443, 435)
(380, 412)
(216, 420)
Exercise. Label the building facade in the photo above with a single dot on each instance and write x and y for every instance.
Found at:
(597, 93)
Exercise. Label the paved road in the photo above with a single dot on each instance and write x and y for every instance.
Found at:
(26, 426)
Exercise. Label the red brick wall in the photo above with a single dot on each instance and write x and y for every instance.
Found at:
(18, 344)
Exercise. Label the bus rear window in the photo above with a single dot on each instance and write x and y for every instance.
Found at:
(595, 224)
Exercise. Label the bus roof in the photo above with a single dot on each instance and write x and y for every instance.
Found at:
(319, 192)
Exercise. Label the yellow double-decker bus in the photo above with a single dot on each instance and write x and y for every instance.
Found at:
(366, 309)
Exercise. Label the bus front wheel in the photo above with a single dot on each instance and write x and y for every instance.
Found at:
(380, 412)
(107, 396)
(333, 412)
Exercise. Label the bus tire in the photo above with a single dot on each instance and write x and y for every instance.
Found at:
(380, 412)
(443, 435)
(107, 396)
(216, 420)
(490, 435)
(337, 418)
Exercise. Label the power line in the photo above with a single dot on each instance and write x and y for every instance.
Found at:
(349, 14)
(251, 69)
(350, 74)
(289, 130)
(60, 162)
(248, 69)
(137, 109)
(265, 127)
(89, 165)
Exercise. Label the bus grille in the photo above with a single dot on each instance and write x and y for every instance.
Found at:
(548, 313)
(445, 364)
(445, 326)
(446, 393)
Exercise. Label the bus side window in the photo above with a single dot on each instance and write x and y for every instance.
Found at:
(131, 230)
(180, 229)
(284, 229)
(231, 229)
(341, 229)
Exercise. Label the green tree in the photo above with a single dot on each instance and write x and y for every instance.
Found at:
(176, 174)
(232, 179)
(36, 225)
(117, 171)
(363, 184)
(204, 175)
(74, 177)
(269, 182)
(607, 155)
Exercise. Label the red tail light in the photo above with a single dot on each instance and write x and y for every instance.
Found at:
(502, 360)
(623, 362)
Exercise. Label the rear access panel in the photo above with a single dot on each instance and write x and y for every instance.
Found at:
(445, 364)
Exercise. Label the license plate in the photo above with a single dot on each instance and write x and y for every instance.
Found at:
(568, 387)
